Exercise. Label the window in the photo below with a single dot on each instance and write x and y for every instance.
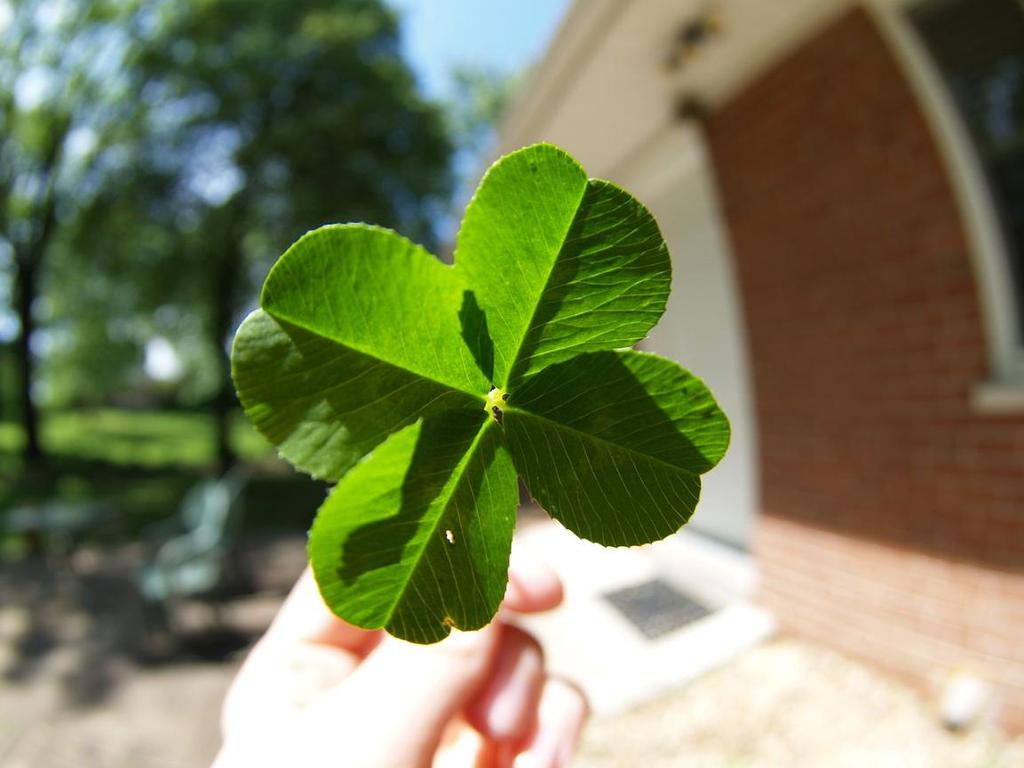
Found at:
(978, 49)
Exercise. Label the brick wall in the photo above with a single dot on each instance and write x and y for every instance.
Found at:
(866, 337)
(913, 614)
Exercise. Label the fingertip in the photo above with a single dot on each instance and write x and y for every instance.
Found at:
(532, 586)
(568, 696)
(562, 713)
(505, 709)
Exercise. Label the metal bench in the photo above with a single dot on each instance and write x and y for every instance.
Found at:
(193, 556)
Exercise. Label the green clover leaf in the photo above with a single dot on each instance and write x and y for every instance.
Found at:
(423, 390)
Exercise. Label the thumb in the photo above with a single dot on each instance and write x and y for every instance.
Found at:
(402, 697)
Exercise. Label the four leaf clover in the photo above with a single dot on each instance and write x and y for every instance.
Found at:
(425, 390)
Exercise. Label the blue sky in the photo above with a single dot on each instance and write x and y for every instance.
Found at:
(505, 35)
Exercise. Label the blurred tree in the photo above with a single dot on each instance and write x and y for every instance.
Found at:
(106, 282)
(476, 100)
(480, 98)
(156, 156)
(275, 117)
(63, 104)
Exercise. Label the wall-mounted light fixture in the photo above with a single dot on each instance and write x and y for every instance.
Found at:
(689, 107)
(692, 36)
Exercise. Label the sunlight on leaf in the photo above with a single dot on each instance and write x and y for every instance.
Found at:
(424, 389)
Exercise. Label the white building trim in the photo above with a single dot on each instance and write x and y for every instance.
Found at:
(703, 326)
(1004, 391)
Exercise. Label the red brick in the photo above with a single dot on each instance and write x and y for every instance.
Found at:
(866, 341)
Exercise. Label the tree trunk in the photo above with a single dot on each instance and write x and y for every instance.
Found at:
(222, 417)
(27, 273)
(225, 275)
(28, 258)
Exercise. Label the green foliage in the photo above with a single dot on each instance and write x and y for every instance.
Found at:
(286, 114)
(480, 97)
(423, 390)
(152, 439)
(161, 153)
(66, 113)
(275, 117)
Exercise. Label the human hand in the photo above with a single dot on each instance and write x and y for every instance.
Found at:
(318, 691)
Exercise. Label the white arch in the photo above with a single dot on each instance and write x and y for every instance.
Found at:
(1004, 391)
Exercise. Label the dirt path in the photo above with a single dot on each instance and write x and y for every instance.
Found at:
(790, 704)
(72, 693)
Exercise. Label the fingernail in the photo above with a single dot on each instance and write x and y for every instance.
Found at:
(560, 719)
(506, 709)
(518, 674)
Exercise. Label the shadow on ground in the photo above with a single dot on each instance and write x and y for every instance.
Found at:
(80, 626)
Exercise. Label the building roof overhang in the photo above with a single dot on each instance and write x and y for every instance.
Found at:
(605, 88)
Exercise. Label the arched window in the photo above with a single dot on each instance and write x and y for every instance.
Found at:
(965, 59)
(978, 48)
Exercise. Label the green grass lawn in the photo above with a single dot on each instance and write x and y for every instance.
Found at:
(142, 463)
(137, 438)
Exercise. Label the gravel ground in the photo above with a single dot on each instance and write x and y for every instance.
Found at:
(788, 703)
(72, 693)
